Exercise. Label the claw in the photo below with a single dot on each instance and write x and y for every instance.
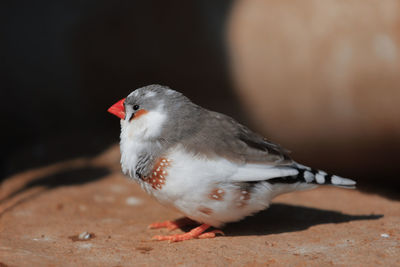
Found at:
(197, 232)
(211, 234)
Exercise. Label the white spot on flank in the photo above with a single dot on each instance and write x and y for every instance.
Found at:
(244, 192)
(133, 201)
(384, 235)
(163, 160)
(220, 191)
(320, 178)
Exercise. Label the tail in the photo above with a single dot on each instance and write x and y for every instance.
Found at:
(312, 176)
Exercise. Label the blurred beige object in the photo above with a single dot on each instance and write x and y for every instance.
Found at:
(321, 77)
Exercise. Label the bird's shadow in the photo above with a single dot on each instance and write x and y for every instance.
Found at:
(283, 218)
(69, 177)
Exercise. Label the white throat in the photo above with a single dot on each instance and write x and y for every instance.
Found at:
(136, 136)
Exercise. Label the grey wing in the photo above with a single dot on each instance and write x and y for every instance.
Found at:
(252, 148)
(261, 159)
(257, 149)
(256, 158)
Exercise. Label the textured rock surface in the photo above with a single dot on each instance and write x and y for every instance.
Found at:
(41, 222)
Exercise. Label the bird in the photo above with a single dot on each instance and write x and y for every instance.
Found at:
(202, 163)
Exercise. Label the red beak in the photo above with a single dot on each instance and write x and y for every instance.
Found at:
(118, 109)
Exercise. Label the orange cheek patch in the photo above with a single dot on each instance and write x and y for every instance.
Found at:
(139, 113)
(158, 174)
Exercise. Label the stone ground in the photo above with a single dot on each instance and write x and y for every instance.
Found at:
(42, 212)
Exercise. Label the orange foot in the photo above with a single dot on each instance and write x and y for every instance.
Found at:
(194, 233)
(172, 225)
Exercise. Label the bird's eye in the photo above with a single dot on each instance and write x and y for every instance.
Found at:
(136, 107)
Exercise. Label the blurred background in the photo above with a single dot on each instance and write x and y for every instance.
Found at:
(321, 78)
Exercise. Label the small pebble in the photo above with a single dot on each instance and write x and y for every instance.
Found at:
(84, 236)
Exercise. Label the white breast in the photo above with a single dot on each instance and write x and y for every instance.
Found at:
(136, 135)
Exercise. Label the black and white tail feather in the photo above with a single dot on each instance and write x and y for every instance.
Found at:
(308, 175)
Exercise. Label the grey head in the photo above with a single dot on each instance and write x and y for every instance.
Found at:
(180, 111)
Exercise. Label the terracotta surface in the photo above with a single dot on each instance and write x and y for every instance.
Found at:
(43, 211)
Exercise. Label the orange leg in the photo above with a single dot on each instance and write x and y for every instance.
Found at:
(172, 225)
(194, 233)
